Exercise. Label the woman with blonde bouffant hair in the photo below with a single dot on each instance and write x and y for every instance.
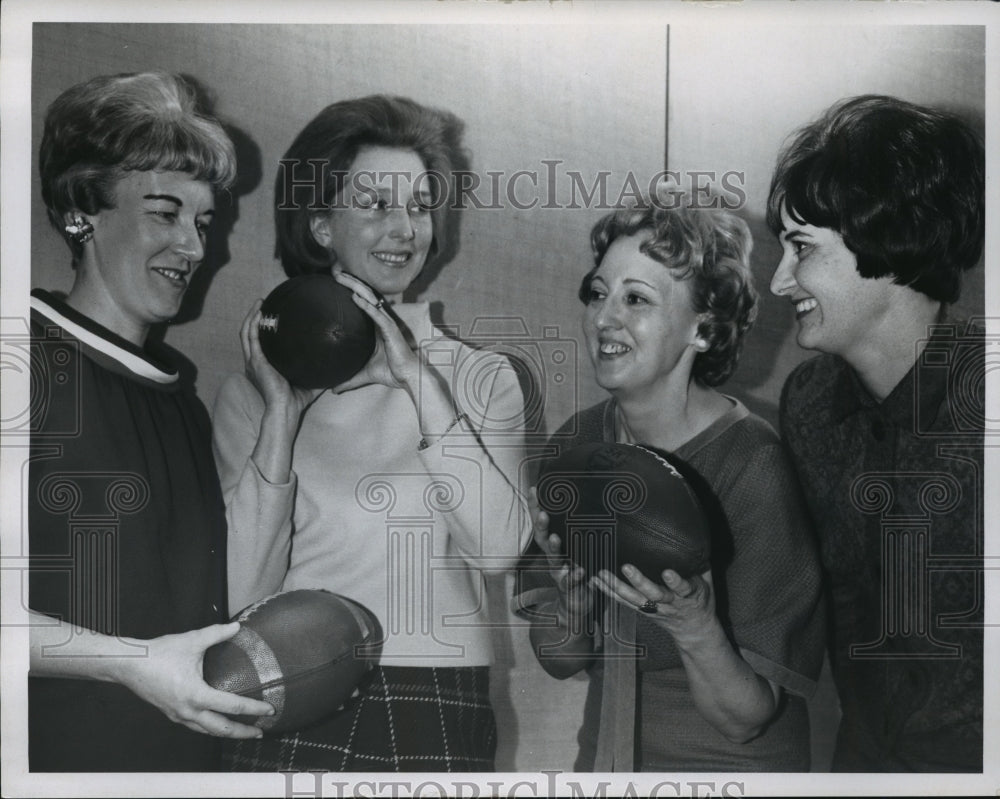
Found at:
(127, 532)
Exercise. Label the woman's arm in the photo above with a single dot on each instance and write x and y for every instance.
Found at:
(284, 405)
(728, 693)
(562, 635)
(255, 422)
(258, 512)
(488, 522)
(775, 611)
(559, 629)
(484, 451)
(164, 671)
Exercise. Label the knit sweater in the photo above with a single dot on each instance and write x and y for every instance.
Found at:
(366, 513)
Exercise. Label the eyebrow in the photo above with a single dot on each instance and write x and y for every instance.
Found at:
(170, 198)
(386, 191)
(640, 282)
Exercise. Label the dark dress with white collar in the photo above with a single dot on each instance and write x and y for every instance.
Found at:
(126, 535)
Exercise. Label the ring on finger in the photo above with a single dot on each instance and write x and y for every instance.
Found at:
(649, 606)
(380, 304)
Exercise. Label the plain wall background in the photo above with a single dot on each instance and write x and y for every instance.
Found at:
(594, 98)
(736, 93)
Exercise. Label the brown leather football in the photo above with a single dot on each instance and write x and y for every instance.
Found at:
(303, 651)
(312, 332)
(612, 504)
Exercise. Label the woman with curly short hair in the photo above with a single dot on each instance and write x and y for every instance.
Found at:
(724, 659)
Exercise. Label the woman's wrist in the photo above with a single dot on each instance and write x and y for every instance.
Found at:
(568, 615)
(437, 414)
(119, 670)
(272, 454)
(281, 420)
(86, 655)
(414, 378)
(698, 639)
(429, 439)
(286, 408)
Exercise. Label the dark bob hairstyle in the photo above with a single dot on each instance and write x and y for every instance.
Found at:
(98, 130)
(901, 183)
(711, 248)
(322, 154)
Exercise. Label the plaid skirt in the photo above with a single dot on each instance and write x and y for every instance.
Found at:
(403, 719)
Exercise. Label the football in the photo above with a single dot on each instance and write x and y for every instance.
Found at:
(312, 332)
(612, 504)
(302, 651)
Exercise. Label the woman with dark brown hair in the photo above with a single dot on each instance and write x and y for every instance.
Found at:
(396, 489)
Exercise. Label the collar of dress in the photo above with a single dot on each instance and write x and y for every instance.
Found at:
(108, 348)
(923, 389)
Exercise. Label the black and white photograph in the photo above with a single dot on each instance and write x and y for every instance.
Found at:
(495, 398)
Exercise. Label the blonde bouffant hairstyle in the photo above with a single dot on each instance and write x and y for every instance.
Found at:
(97, 131)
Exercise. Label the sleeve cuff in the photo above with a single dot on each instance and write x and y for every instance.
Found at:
(288, 485)
(461, 422)
(789, 680)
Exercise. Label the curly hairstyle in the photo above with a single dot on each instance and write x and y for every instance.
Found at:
(709, 247)
(903, 185)
(100, 129)
(330, 142)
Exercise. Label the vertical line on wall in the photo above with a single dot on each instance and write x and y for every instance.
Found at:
(666, 100)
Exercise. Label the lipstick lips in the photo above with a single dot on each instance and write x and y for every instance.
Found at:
(804, 306)
(392, 258)
(175, 276)
(609, 350)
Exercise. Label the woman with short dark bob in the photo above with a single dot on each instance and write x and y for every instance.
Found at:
(127, 532)
(726, 657)
(398, 488)
(879, 206)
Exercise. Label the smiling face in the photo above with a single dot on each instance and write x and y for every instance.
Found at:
(838, 311)
(639, 325)
(144, 251)
(380, 227)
